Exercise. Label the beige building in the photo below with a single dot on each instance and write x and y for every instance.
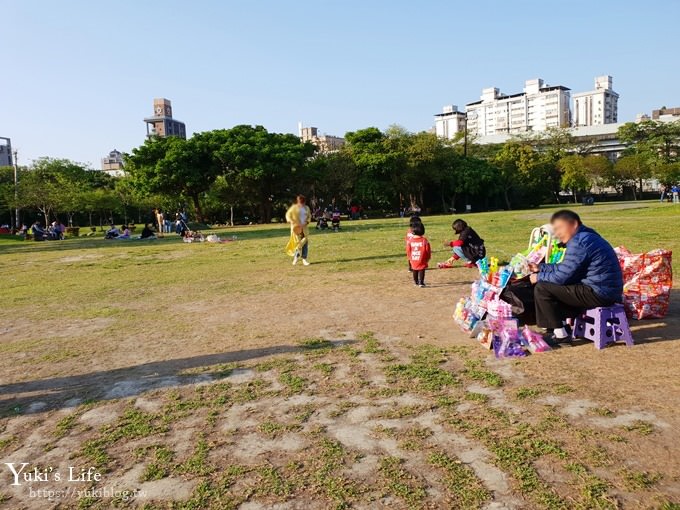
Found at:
(597, 107)
(537, 108)
(161, 123)
(113, 164)
(666, 114)
(449, 122)
(325, 143)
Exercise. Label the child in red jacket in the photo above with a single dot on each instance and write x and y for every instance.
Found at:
(418, 252)
(412, 222)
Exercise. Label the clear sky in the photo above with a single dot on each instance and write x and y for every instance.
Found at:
(80, 75)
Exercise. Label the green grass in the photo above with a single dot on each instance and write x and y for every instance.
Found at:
(464, 487)
(161, 464)
(527, 393)
(473, 370)
(424, 371)
(401, 482)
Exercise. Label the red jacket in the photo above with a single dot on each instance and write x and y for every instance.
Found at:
(418, 252)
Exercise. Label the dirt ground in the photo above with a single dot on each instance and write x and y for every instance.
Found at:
(366, 397)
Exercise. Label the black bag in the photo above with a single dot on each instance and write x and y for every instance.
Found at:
(520, 295)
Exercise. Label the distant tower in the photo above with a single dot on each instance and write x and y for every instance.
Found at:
(162, 124)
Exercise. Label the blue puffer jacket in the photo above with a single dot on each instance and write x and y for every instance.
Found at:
(589, 260)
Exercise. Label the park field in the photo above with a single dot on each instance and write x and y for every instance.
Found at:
(219, 376)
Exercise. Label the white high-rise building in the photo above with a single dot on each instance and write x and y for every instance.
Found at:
(449, 122)
(597, 107)
(537, 108)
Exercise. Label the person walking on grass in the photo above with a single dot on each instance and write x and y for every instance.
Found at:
(676, 194)
(419, 253)
(299, 215)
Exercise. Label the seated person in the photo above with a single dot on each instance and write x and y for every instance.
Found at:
(112, 233)
(147, 233)
(589, 276)
(335, 219)
(124, 232)
(469, 247)
(38, 231)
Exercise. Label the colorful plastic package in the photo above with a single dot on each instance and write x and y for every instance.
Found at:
(647, 282)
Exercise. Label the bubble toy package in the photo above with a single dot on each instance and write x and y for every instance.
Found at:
(533, 340)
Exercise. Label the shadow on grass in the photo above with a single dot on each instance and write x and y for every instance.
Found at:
(82, 244)
(362, 259)
(69, 391)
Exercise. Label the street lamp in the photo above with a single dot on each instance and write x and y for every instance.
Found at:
(16, 190)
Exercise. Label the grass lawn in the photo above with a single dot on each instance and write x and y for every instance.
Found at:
(197, 376)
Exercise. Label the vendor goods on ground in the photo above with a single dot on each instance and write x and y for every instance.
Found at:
(488, 318)
(647, 282)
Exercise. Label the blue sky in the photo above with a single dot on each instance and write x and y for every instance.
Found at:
(79, 75)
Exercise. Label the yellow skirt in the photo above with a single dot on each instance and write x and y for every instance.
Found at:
(295, 244)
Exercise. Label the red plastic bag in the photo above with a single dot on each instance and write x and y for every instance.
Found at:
(647, 282)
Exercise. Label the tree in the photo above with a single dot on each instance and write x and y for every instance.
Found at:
(333, 177)
(54, 185)
(175, 166)
(660, 139)
(260, 163)
(634, 168)
(668, 173)
(375, 163)
(522, 172)
(574, 175)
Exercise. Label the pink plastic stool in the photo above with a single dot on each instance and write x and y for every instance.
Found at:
(603, 326)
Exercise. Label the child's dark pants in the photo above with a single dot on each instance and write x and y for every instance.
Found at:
(418, 276)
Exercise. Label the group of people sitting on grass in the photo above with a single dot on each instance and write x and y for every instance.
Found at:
(124, 232)
(589, 276)
(53, 232)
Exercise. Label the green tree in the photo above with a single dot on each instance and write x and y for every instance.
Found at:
(660, 139)
(522, 172)
(579, 172)
(175, 166)
(261, 164)
(668, 173)
(634, 168)
(54, 185)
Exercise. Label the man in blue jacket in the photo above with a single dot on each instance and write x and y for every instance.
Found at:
(588, 277)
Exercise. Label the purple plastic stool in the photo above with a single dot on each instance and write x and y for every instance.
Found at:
(603, 326)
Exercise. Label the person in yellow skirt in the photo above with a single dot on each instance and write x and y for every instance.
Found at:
(299, 215)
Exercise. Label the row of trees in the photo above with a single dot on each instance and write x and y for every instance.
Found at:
(249, 172)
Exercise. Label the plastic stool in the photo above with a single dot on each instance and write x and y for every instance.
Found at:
(603, 326)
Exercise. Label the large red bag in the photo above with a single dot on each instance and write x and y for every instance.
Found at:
(647, 282)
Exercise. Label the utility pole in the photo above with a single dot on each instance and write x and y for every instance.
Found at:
(17, 223)
(466, 135)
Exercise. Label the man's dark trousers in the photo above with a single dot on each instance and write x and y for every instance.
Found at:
(555, 303)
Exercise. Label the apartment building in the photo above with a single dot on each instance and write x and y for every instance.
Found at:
(449, 122)
(537, 108)
(597, 107)
(5, 152)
